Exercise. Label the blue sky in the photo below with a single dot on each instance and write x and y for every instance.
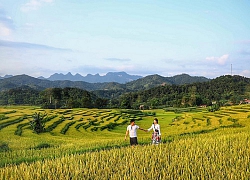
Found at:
(200, 38)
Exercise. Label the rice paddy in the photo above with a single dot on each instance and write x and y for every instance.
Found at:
(89, 144)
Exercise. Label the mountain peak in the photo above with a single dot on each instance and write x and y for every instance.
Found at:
(119, 77)
(69, 73)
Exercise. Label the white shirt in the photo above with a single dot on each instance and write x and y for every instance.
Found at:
(132, 130)
(154, 127)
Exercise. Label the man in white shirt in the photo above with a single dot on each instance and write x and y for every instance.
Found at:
(132, 131)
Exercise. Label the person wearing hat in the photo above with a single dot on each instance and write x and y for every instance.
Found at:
(132, 131)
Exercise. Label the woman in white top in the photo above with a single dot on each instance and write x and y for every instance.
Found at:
(156, 136)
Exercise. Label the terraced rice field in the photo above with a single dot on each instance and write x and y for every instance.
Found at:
(89, 144)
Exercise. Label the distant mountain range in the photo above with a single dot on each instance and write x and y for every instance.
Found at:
(119, 77)
(139, 83)
(122, 78)
(6, 76)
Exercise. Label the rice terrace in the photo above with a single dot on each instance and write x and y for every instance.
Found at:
(83, 143)
(124, 90)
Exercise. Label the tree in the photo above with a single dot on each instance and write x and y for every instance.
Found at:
(101, 103)
(213, 108)
(37, 124)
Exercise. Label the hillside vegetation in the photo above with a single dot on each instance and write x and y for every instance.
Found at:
(150, 92)
(139, 84)
(222, 90)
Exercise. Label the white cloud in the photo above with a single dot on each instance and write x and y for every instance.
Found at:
(30, 46)
(6, 24)
(219, 60)
(34, 5)
(117, 59)
(222, 60)
(245, 73)
(211, 58)
(4, 30)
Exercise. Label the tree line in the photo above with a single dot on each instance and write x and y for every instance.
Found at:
(52, 98)
(222, 90)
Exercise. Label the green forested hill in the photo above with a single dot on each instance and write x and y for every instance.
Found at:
(157, 80)
(41, 84)
(222, 90)
(140, 84)
(187, 79)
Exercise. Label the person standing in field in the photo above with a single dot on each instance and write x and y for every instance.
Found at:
(132, 131)
(156, 136)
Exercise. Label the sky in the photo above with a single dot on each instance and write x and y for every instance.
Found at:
(142, 37)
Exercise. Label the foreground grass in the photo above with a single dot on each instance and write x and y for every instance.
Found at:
(197, 145)
(221, 155)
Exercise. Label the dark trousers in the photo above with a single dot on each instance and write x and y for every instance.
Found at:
(133, 141)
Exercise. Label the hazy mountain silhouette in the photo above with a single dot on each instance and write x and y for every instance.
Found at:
(110, 84)
(6, 76)
(120, 77)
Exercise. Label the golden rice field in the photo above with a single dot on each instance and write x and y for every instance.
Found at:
(196, 145)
